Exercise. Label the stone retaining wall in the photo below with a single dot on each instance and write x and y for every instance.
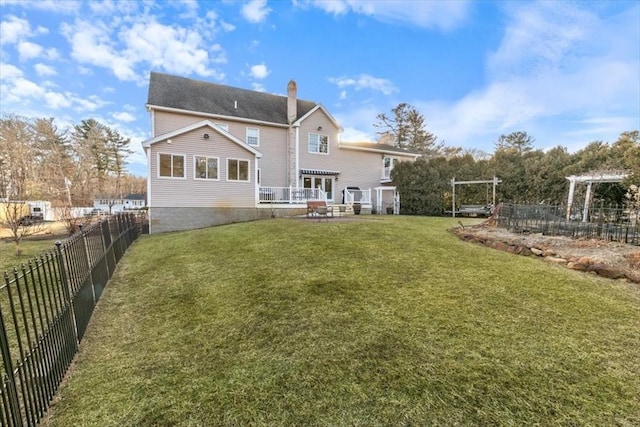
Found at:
(584, 264)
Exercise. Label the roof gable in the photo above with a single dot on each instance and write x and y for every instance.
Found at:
(182, 93)
(319, 107)
(204, 123)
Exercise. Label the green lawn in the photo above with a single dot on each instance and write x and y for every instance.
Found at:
(30, 248)
(384, 321)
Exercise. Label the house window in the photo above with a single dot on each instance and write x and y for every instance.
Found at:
(205, 167)
(237, 170)
(318, 143)
(171, 165)
(253, 136)
(388, 164)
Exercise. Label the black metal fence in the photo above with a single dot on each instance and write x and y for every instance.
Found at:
(607, 223)
(45, 306)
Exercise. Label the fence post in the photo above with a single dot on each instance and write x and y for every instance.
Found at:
(66, 289)
(14, 405)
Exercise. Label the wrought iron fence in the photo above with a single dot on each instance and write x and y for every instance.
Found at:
(607, 223)
(45, 306)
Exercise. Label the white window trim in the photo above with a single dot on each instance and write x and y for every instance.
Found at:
(172, 155)
(195, 172)
(318, 152)
(257, 136)
(248, 170)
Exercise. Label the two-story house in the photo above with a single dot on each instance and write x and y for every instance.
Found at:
(220, 154)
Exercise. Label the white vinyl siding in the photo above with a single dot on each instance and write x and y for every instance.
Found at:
(171, 165)
(192, 192)
(318, 143)
(253, 136)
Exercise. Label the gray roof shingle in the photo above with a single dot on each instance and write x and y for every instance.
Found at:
(182, 93)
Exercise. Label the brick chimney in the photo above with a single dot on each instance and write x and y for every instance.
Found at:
(292, 95)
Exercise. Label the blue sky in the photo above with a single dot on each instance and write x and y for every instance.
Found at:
(565, 72)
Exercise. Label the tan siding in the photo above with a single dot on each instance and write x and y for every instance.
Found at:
(273, 145)
(273, 142)
(165, 122)
(189, 192)
(357, 168)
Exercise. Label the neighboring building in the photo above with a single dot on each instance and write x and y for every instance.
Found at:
(220, 154)
(111, 205)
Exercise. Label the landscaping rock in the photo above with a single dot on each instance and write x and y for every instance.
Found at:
(556, 260)
(604, 270)
(536, 251)
(578, 266)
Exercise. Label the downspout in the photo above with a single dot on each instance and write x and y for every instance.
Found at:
(148, 153)
(297, 157)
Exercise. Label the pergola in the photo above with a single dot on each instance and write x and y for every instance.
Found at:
(590, 179)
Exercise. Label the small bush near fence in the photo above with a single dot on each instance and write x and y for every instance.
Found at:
(613, 224)
(45, 306)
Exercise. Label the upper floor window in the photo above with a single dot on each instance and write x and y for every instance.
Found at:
(205, 167)
(237, 170)
(253, 136)
(171, 165)
(318, 143)
(388, 164)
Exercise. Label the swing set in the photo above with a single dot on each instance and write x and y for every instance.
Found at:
(474, 210)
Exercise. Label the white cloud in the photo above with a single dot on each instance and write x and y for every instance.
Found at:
(365, 81)
(172, 48)
(255, 11)
(559, 74)
(45, 70)
(356, 135)
(227, 27)
(28, 50)
(259, 71)
(444, 15)
(259, 87)
(124, 116)
(13, 30)
(20, 94)
(64, 7)
(10, 72)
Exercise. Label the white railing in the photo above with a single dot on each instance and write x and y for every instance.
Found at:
(290, 194)
(357, 196)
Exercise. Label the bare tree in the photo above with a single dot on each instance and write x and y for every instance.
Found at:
(14, 216)
(409, 129)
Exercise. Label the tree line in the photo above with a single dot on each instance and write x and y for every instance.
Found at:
(529, 176)
(39, 161)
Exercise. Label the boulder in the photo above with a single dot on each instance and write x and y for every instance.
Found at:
(604, 270)
(556, 260)
(578, 266)
(536, 251)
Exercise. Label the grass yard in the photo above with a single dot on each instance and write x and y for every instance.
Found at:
(384, 321)
(30, 249)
